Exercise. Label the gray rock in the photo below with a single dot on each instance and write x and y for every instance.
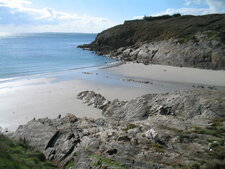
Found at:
(190, 104)
(151, 134)
(203, 54)
(96, 100)
(151, 131)
(124, 138)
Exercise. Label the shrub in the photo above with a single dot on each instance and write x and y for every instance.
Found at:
(150, 18)
(215, 164)
(18, 155)
(158, 147)
(176, 15)
(131, 126)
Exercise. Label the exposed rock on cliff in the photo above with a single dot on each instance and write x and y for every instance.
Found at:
(190, 104)
(192, 41)
(152, 131)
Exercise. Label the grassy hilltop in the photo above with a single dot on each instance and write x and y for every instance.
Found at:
(152, 29)
(190, 41)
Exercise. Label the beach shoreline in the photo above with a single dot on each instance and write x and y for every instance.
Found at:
(55, 94)
(169, 73)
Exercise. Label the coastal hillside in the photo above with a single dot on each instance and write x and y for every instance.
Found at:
(190, 41)
(182, 129)
(18, 155)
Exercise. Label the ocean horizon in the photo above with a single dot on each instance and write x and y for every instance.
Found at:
(40, 53)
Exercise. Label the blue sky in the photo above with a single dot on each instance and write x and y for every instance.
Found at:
(18, 16)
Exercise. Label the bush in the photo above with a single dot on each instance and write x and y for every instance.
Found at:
(176, 15)
(150, 18)
(195, 166)
(215, 164)
(131, 126)
(18, 155)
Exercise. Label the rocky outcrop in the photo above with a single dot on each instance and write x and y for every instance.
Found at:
(190, 104)
(152, 131)
(190, 41)
(91, 98)
(201, 53)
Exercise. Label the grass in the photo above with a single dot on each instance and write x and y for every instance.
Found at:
(218, 122)
(158, 147)
(211, 35)
(129, 127)
(217, 131)
(213, 135)
(69, 164)
(194, 166)
(106, 162)
(18, 155)
(181, 133)
(188, 38)
(171, 129)
(215, 164)
(215, 156)
(152, 29)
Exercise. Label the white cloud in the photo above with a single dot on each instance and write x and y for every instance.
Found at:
(189, 2)
(214, 6)
(47, 13)
(138, 17)
(14, 3)
(53, 20)
(185, 11)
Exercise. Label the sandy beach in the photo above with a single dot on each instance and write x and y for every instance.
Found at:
(23, 99)
(170, 74)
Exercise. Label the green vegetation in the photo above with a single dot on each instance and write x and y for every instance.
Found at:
(218, 122)
(151, 18)
(214, 164)
(212, 137)
(186, 136)
(152, 29)
(69, 164)
(129, 126)
(171, 129)
(216, 129)
(212, 35)
(18, 155)
(194, 166)
(188, 38)
(158, 147)
(103, 162)
(211, 130)
(215, 155)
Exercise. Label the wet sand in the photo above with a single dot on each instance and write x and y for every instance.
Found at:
(170, 73)
(23, 99)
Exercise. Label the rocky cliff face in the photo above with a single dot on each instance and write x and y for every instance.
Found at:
(179, 129)
(188, 105)
(192, 41)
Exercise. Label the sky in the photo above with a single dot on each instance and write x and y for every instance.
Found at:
(91, 16)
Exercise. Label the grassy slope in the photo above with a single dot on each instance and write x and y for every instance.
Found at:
(17, 155)
(181, 27)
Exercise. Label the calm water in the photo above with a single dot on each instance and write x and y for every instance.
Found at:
(31, 54)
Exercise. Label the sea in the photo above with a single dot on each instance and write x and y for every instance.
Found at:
(39, 53)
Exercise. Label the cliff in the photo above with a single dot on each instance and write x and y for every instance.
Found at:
(191, 41)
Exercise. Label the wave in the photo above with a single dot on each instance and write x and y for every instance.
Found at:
(5, 34)
(4, 80)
